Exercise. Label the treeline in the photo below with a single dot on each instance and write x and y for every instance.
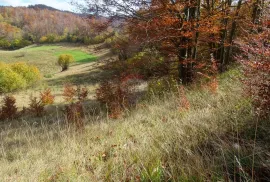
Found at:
(22, 26)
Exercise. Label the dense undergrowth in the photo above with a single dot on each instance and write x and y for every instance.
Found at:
(218, 138)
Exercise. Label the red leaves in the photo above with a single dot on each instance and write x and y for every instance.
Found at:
(118, 94)
(256, 62)
(9, 109)
(75, 114)
(113, 95)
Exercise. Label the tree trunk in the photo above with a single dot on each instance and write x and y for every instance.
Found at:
(232, 34)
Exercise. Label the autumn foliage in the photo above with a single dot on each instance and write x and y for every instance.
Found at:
(113, 96)
(74, 111)
(9, 109)
(119, 94)
(46, 97)
(65, 60)
(20, 27)
(255, 59)
(18, 75)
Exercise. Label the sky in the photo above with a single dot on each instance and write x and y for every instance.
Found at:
(58, 4)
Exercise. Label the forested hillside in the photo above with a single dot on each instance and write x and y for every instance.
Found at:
(21, 26)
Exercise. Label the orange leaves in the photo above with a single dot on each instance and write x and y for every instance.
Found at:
(71, 94)
(46, 97)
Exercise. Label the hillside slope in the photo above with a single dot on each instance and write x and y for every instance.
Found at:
(159, 141)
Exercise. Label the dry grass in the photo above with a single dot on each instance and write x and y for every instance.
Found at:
(156, 142)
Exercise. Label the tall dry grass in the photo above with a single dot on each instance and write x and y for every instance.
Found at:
(212, 141)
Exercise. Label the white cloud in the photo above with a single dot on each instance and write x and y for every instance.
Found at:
(58, 4)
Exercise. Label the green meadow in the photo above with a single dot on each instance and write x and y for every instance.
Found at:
(45, 56)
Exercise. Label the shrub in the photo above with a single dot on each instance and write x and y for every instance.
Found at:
(9, 109)
(10, 80)
(114, 96)
(5, 44)
(36, 106)
(51, 38)
(65, 60)
(30, 73)
(71, 94)
(46, 97)
(43, 39)
(75, 114)
(23, 43)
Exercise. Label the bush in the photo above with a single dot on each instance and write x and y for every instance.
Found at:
(74, 114)
(24, 43)
(51, 38)
(5, 44)
(10, 80)
(72, 94)
(113, 96)
(9, 109)
(65, 60)
(17, 75)
(36, 106)
(46, 97)
(43, 39)
(30, 73)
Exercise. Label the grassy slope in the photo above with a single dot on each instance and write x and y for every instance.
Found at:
(45, 56)
(86, 71)
(155, 142)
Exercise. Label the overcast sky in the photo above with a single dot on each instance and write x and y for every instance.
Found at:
(58, 4)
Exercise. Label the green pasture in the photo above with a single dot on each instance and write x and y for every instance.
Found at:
(79, 56)
(45, 56)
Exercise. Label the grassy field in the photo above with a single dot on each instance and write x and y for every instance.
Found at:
(213, 141)
(85, 71)
(45, 56)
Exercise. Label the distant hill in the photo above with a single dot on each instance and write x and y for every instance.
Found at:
(43, 7)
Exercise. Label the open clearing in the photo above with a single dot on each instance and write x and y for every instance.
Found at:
(85, 71)
(45, 56)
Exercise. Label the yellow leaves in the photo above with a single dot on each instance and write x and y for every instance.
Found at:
(43, 39)
(17, 75)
